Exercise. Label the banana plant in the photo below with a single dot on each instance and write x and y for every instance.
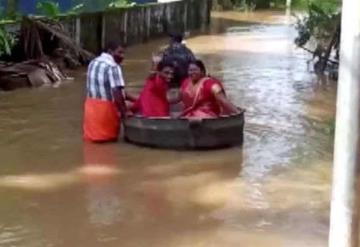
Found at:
(48, 8)
(52, 9)
(7, 41)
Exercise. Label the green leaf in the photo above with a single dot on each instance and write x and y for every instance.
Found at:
(48, 8)
(6, 42)
(76, 9)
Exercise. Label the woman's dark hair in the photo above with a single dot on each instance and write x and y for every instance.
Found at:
(164, 64)
(199, 64)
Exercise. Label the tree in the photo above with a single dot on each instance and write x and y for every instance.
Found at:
(321, 26)
(12, 8)
(243, 4)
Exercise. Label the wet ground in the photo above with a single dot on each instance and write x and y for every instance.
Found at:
(274, 191)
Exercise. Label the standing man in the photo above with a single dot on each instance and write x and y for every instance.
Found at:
(180, 56)
(105, 96)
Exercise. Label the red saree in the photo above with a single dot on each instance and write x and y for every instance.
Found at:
(153, 100)
(200, 102)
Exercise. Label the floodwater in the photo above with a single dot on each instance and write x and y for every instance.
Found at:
(274, 191)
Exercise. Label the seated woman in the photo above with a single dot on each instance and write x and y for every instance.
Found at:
(203, 96)
(153, 101)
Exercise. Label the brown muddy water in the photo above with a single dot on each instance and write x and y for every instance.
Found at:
(57, 191)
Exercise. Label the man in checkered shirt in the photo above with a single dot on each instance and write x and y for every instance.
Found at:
(105, 96)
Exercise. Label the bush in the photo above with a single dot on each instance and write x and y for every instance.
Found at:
(121, 4)
(52, 9)
(7, 41)
(321, 28)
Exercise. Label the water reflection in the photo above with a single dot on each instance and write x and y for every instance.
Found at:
(100, 171)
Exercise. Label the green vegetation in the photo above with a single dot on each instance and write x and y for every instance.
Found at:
(11, 11)
(328, 127)
(52, 9)
(321, 29)
(7, 41)
(327, 5)
(121, 4)
(320, 23)
(242, 5)
(332, 127)
(48, 8)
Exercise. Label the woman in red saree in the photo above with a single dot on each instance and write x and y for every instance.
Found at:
(203, 96)
(153, 100)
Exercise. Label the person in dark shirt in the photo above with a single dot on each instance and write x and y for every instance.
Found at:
(180, 56)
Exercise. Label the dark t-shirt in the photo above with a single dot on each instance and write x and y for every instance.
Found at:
(180, 55)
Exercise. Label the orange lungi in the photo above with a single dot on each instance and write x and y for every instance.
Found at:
(101, 121)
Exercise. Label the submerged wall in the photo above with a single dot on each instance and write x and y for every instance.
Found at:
(137, 24)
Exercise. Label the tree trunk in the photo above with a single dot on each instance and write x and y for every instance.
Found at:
(329, 49)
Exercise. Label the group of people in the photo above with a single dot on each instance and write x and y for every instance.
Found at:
(200, 95)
